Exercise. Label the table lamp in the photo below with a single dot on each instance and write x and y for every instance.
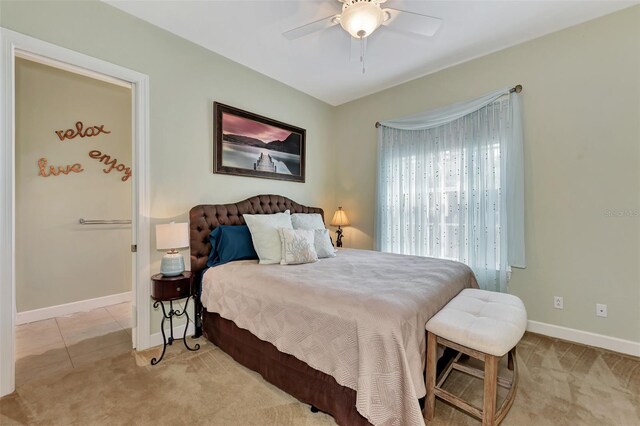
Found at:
(339, 219)
(172, 236)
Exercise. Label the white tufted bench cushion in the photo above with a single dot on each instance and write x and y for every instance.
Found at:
(486, 321)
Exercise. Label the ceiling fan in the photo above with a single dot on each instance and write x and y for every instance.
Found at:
(360, 18)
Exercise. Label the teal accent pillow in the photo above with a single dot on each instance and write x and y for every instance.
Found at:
(229, 243)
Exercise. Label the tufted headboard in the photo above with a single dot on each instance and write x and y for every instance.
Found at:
(206, 217)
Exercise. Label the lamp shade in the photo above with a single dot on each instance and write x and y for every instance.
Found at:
(340, 218)
(172, 236)
(362, 18)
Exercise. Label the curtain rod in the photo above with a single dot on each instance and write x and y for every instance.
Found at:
(517, 88)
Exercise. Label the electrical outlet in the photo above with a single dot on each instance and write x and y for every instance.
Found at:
(601, 310)
(558, 302)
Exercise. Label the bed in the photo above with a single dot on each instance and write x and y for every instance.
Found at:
(345, 335)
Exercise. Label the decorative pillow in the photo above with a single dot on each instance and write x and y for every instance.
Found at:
(297, 246)
(307, 221)
(229, 243)
(264, 233)
(323, 244)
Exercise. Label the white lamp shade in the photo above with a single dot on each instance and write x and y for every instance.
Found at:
(340, 218)
(361, 19)
(172, 236)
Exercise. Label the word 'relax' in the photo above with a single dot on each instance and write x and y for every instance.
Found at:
(80, 131)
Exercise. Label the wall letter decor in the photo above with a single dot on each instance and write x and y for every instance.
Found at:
(55, 171)
(89, 132)
(113, 164)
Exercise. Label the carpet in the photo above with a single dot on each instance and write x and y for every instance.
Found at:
(560, 384)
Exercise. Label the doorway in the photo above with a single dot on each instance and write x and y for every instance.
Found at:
(12, 47)
(73, 217)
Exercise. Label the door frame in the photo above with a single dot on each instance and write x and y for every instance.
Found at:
(12, 42)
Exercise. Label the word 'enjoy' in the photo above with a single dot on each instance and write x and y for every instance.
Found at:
(113, 164)
(55, 171)
(87, 133)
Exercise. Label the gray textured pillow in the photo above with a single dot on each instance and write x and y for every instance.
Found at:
(307, 221)
(297, 246)
(322, 243)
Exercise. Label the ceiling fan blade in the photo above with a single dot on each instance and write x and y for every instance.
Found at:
(356, 48)
(312, 27)
(411, 22)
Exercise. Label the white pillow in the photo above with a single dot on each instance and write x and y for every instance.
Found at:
(322, 243)
(297, 246)
(314, 221)
(307, 221)
(264, 234)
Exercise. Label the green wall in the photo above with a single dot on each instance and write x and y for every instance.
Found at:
(581, 104)
(184, 81)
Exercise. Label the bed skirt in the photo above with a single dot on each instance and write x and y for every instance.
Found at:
(283, 370)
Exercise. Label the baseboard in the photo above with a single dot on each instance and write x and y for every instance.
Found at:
(71, 308)
(156, 339)
(615, 344)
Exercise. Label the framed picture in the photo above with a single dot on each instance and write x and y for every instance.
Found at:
(247, 144)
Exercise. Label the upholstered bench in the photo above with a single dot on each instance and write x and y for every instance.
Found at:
(483, 325)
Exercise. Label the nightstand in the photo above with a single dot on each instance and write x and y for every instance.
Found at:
(170, 289)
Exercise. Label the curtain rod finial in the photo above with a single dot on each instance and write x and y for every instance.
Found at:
(517, 89)
(377, 124)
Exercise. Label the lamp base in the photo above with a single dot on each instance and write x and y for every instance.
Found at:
(172, 264)
(339, 237)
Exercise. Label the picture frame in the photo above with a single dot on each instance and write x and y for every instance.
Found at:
(242, 145)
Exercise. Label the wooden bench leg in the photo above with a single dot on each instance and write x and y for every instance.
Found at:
(490, 390)
(432, 354)
(508, 401)
(510, 357)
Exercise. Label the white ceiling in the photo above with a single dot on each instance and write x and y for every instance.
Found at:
(250, 33)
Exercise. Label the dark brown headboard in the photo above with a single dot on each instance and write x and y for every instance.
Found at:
(206, 217)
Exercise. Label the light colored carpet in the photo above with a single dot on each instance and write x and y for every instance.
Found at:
(560, 384)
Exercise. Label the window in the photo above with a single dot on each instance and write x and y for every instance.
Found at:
(441, 191)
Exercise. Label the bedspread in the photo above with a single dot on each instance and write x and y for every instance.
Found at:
(358, 317)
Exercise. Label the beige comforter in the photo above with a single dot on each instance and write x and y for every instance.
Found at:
(358, 317)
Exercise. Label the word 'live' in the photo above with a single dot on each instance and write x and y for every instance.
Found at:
(57, 170)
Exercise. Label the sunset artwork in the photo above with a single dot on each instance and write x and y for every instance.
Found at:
(251, 145)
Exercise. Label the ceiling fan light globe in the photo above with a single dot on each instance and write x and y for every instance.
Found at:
(361, 18)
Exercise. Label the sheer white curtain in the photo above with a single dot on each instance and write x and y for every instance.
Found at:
(450, 185)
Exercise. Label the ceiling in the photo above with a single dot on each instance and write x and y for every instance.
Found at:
(250, 33)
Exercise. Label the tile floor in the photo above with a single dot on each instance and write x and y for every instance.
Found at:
(53, 345)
